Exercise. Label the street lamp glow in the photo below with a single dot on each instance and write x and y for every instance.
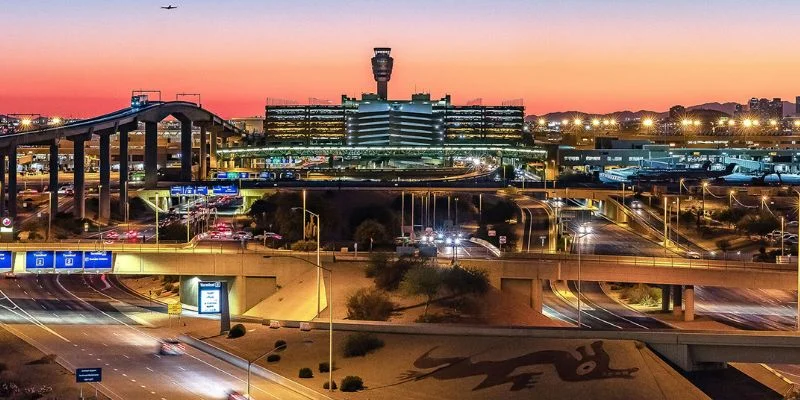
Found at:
(596, 122)
(55, 121)
(577, 121)
(756, 122)
(564, 122)
(797, 122)
(686, 122)
(606, 122)
(731, 122)
(26, 122)
(747, 123)
(542, 121)
(696, 122)
(773, 122)
(647, 122)
(613, 122)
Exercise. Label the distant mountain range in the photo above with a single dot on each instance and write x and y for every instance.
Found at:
(727, 108)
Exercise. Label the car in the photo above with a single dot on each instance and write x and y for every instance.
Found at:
(10, 275)
(636, 204)
(234, 395)
(693, 254)
(171, 347)
(111, 235)
(791, 223)
(243, 235)
(29, 191)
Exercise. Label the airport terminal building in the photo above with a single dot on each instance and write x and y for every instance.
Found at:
(375, 120)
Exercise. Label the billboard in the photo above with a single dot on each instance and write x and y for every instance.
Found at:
(69, 260)
(209, 299)
(38, 260)
(97, 260)
(6, 261)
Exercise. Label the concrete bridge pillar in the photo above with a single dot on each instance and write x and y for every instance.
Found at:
(123, 171)
(666, 291)
(150, 155)
(53, 181)
(688, 303)
(213, 151)
(104, 205)
(12, 181)
(186, 149)
(536, 295)
(79, 172)
(677, 300)
(202, 168)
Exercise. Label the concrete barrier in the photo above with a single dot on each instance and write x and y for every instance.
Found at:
(254, 369)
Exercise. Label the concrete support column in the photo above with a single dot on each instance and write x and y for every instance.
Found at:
(12, 181)
(202, 169)
(79, 176)
(666, 291)
(104, 206)
(3, 184)
(123, 172)
(53, 180)
(688, 303)
(186, 150)
(677, 300)
(213, 151)
(536, 295)
(150, 155)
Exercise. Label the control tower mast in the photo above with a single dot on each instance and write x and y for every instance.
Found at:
(382, 69)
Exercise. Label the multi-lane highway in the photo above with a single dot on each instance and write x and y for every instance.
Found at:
(90, 322)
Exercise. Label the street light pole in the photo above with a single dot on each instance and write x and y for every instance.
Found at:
(330, 314)
(250, 364)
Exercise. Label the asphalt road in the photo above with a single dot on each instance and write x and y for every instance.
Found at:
(608, 238)
(81, 319)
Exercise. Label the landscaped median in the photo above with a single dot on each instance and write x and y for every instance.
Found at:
(412, 365)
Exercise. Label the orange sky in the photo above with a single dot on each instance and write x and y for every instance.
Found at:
(595, 56)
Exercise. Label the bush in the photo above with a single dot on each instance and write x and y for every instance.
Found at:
(324, 367)
(306, 373)
(237, 331)
(360, 343)
(368, 304)
(304, 245)
(642, 294)
(466, 280)
(273, 358)
(352, 384)
(280, 343)
(388, 274)
(325, 385)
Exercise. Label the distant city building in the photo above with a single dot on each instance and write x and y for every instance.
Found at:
(765, 109)
(375, 120)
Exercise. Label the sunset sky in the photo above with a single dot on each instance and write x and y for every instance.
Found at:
(82, 58)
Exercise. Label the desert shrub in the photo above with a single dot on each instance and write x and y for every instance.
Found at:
(641, 294)
(387, 274)
(324, 367)
(305, 373)
(352, 384)
(237, 331)
(368, 304)
(158, 292)
(273, 358)
(280, 343)
(360, 343)
(304, 245)
(325, 385)
(46, 359)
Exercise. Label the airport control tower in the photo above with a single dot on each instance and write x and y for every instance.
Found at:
(382, 69)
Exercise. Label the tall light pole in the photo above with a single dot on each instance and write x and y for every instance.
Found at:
(330, 314)
(666, 240)
(250, 363)
(583, 230)
(157, 225)
(730, 199)
(782, 235)
(318, 227)
(704, 188)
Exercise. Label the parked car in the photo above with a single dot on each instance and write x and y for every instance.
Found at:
(234, 395)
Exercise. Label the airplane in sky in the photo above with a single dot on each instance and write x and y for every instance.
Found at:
(169, 7)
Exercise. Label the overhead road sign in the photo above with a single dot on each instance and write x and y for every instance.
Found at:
(37, 261)
(88, 375)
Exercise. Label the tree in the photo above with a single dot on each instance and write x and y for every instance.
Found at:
(370, 230)
(466, 280)
(425, 281)
(508, 173)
